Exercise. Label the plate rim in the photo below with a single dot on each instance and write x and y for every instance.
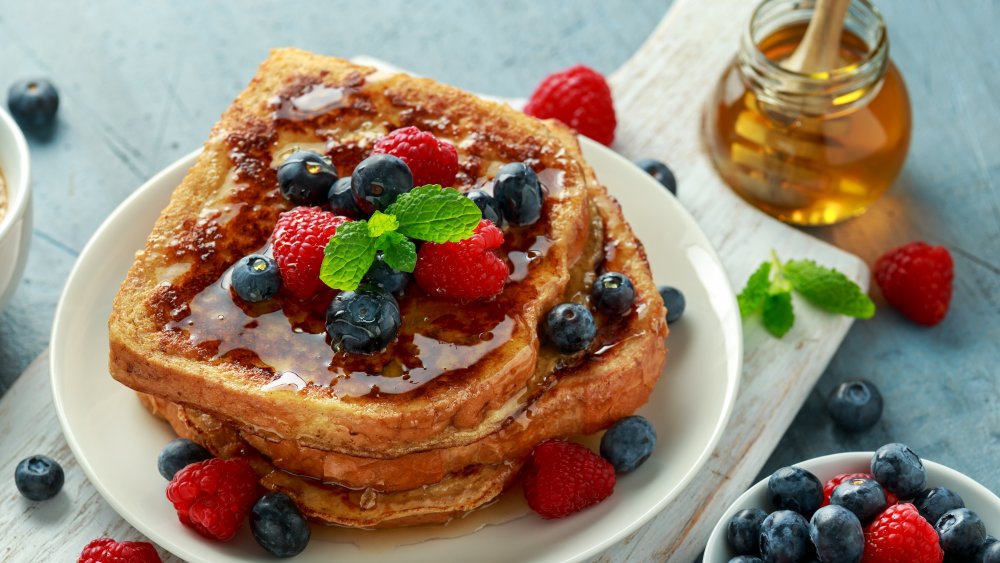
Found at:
(733, 372)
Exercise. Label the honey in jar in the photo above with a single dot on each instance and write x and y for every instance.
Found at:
(810, 148)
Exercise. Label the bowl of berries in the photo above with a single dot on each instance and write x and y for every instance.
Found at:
(887, 506)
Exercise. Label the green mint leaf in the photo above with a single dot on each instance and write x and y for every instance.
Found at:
(778, 314)
(751, 299)
(435, 214)
(398, 251)
(828, 289)
(348, 256)
(380, 223)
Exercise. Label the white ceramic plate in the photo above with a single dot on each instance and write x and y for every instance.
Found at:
(977, 498)
(117, 442)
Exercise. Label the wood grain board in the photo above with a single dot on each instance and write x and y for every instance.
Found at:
(659, 96)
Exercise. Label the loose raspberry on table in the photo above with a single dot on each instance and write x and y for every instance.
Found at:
(107, 550)
(833, 483)
(466, 270)
(901, 535)
(562, 477)
(214, 496)
(299, 237)
(431, 160)
(916, 279)
(579, 97)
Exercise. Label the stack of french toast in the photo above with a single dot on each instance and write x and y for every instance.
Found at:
(439, 422)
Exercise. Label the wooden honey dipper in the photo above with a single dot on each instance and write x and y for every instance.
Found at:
(821, 44)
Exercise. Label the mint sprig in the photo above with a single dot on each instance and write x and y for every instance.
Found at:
(768, 291)
(428, 213)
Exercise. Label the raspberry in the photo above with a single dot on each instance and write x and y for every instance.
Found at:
(465, 270)
(107, 550)
(580, 98)
(299, 238)
(832, 484)
(214, 496)
(562, 478)
(431, 160)
(916, 279)
(901, 535)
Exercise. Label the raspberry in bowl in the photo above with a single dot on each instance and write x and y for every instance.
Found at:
(940, 497)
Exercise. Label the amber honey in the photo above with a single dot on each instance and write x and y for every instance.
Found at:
(802, 150)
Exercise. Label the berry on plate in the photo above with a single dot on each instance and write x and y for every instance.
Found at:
(901, 535)
(570, 327)
(256, 278)
(341, 200)
(518, 193)
(855, 405)
(916, 279)
(465, 270)
(934, 502)
(674, 301)
(561, 478)
(107, 550)
(431, 160)
(660, 172)
(743, 531)
(386, 277)
(33, 103)
(214, 496)
(579, 97)
(488, 205)
(278, 526)
(179, 454)
(299, 238)
(628, 443)
(962, 532)
(378, 180)
(613, 294)
(784, 537)
(363, 321)
(837, 535)
(794, 488)
(305, 178)
(862, 496)
(899, 470)
(39, 477)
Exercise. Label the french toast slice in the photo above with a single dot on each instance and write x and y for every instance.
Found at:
(433, 486)
(452, 377)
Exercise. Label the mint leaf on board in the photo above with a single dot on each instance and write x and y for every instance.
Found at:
(348, 256)
(778, 315)
(380, 223)
(435, 214)
(828, 289)
(751, 299)
(398, 251)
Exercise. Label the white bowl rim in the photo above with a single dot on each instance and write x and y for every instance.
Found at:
(17, 196)
(846, 458)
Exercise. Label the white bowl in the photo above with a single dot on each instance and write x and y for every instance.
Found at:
(15, 224)
(977, 498)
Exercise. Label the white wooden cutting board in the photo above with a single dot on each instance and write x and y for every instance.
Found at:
(659, 96)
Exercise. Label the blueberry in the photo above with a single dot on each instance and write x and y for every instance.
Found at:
(933, 503)
(278, 526)
(962, 532)
(570, 327)
(378, 181)
(33, 103)
(613, 294)
(488, 205)
(39, 477)
(746, 559)
(673, 300)
(743, 531)
(628, 443)
(179, 454)
(256, 278)
(305, 178)
(341, 199)
(784, 537)
(837, 535)
(899, 470)
(659, 172)
(384, 276)
(519, 194)
(855, 405)
(864, 497)
(794, 488)
(363, 321)
(990, 552)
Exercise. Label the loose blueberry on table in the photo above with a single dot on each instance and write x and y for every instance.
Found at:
(33, 103)
(660, 172)
(855, 405)
(39, 477)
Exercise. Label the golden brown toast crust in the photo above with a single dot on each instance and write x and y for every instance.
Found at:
(226, 208)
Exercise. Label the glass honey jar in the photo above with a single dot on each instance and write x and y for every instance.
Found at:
(810, 148)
